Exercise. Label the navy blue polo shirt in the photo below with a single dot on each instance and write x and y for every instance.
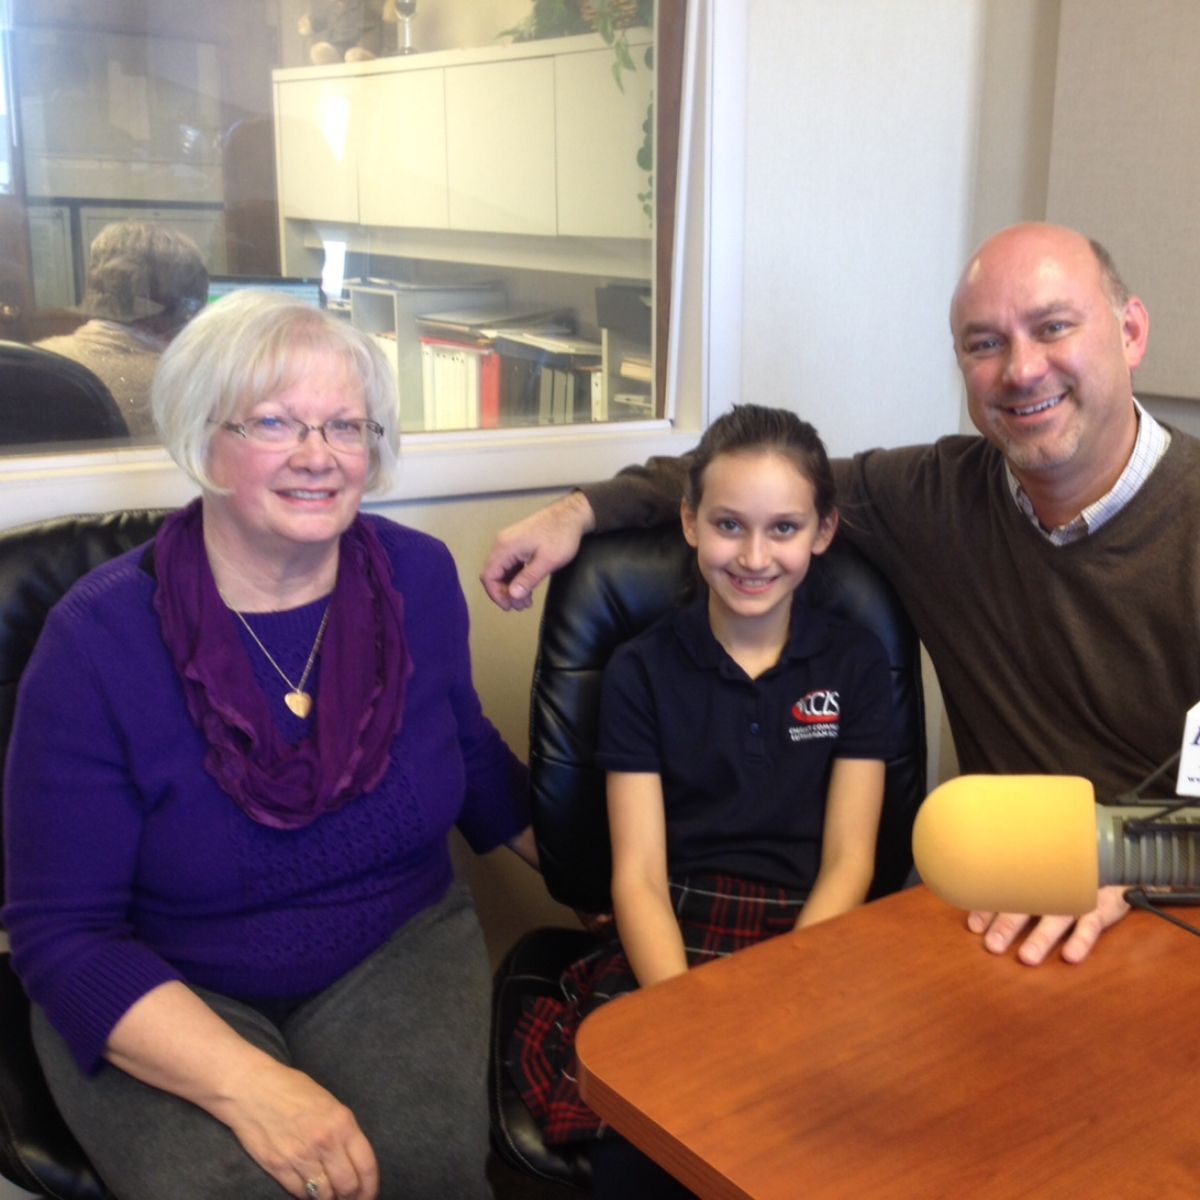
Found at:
(745, 763)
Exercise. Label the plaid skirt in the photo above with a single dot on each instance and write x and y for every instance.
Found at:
(718, 915)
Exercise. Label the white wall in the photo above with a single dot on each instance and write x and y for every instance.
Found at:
(1018, 60)
(859, 128)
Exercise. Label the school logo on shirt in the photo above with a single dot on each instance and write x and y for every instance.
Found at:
(817, 713)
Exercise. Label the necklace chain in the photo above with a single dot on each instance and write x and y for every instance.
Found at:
(298, 700)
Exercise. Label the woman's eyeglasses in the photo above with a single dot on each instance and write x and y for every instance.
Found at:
(349, 435)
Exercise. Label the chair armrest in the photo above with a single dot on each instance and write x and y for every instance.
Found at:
(37, 1150)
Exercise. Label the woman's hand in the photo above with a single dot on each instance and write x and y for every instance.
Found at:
(286, 1121)
(297, 1131)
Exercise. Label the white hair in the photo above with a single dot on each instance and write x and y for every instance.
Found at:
(241, 349)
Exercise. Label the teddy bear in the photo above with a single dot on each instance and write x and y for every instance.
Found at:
(344, 29)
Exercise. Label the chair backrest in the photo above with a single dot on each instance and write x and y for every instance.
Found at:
(618, 585)
(48, 397)
(38, 564)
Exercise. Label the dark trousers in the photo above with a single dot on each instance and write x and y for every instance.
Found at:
(401, 1040)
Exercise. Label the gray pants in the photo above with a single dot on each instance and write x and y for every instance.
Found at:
(401, 1040)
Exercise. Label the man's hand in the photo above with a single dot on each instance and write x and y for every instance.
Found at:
(1000, 930)
(525, 553)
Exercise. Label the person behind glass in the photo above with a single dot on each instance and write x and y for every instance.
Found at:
(145, 281)
(237, 754)
(744, 736)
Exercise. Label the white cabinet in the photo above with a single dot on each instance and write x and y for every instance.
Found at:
(402, 164)
(534, 140)
(317, 148)
(597, 137)
(500, 134)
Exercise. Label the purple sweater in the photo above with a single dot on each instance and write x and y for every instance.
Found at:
(128, 866)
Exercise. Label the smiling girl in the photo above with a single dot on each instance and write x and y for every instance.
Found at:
(744, 736)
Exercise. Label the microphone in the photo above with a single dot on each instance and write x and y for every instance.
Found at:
(1040, 844)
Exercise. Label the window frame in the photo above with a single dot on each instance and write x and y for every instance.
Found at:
(443, 465)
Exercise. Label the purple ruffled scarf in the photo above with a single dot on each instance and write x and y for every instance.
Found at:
(359, 706)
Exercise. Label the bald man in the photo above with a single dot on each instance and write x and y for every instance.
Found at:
(1050, 565)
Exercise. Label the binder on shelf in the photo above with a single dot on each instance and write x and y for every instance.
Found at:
(599, 408)
(451, 383)
(564, 396)
(547, 378)
(463, 342)
(489, 389)
(545, 412)
(461, 384)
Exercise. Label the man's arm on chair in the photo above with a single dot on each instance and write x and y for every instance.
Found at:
(525, 553)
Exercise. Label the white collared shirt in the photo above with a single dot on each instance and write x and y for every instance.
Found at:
(1151, 444)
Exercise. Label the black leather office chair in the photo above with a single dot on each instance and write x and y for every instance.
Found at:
(618, 585)
(38, 563)
(46, 397)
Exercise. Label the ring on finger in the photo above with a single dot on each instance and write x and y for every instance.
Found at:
(312, 1189)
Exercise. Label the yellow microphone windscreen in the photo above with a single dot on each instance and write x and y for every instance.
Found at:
(1010, 843)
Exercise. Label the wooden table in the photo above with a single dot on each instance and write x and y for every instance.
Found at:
(886, 1054)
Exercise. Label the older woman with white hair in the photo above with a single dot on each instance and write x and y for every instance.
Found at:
(237, 755)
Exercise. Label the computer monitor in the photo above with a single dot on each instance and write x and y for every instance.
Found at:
(306, 290)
